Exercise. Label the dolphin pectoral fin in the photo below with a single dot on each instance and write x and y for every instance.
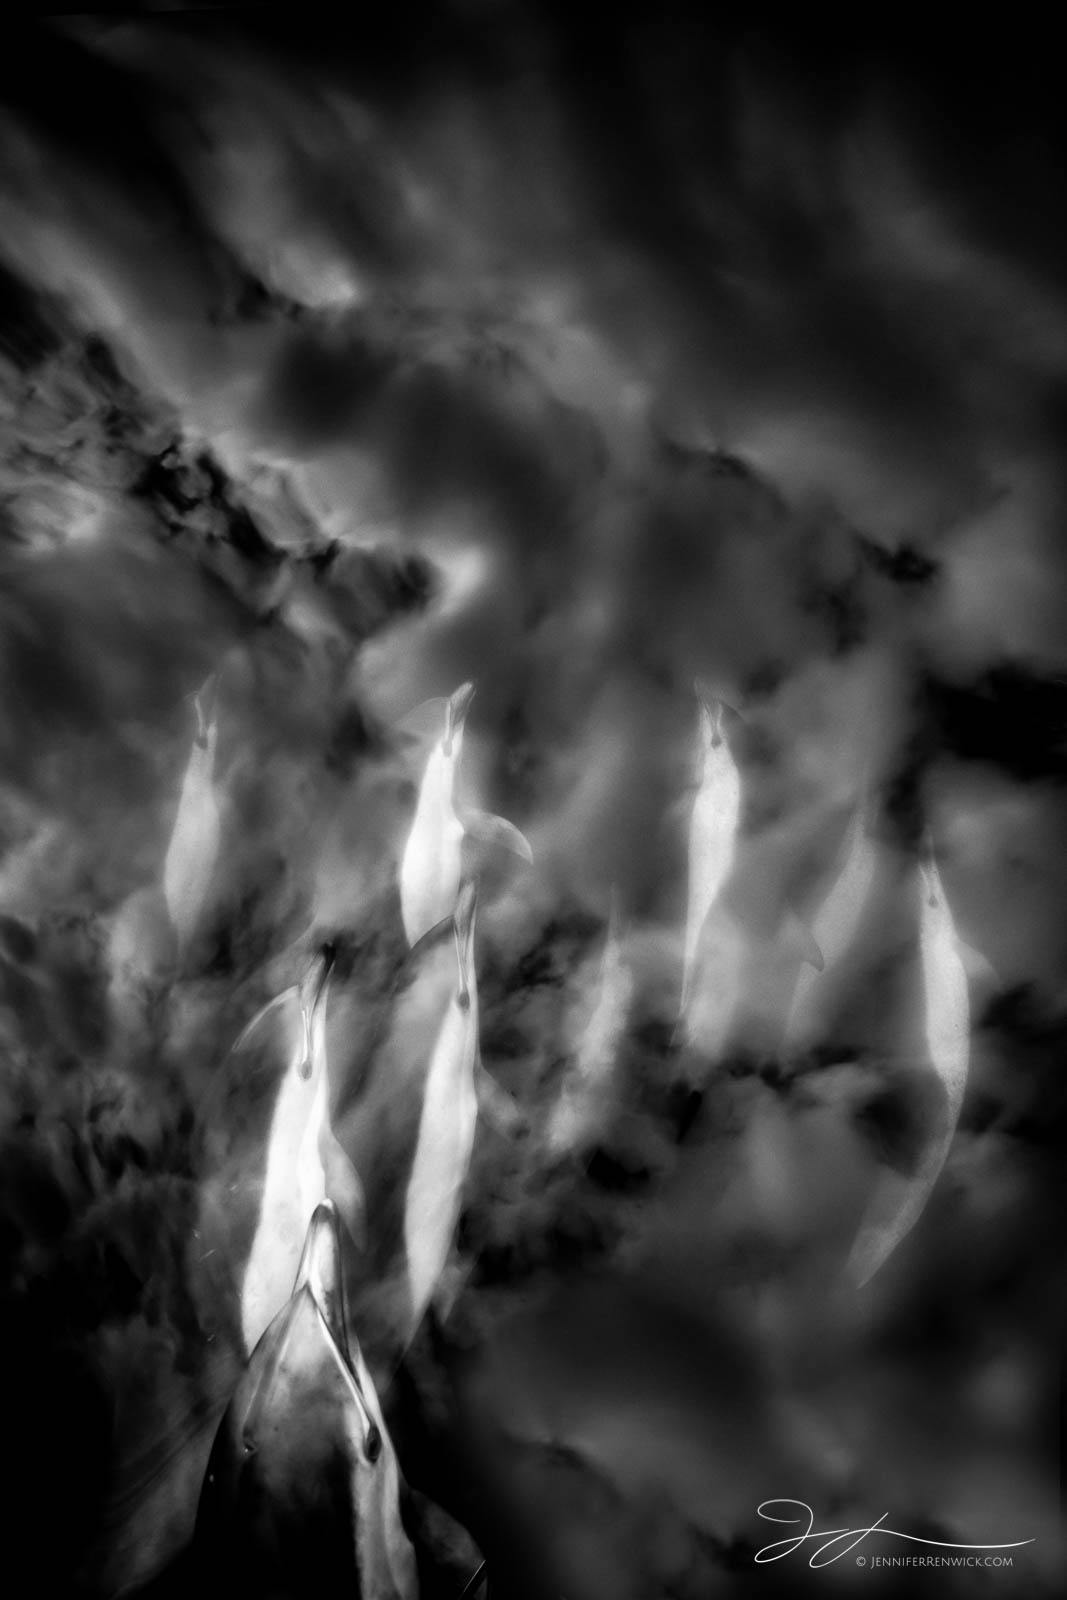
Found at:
(263, 1013)
(981, 973)
(493, 832)
(205, 702)
(424, 721)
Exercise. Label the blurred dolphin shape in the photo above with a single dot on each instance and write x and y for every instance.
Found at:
(432, 865)
(900, 1200)
(142, 948)
(446, 1124)
(712, 830)
(303, 1490)
(834, 927)
(407, 1120)
(189, 867)
(748, 949)
(715, 982)
(575, 1114)
(304, 1162)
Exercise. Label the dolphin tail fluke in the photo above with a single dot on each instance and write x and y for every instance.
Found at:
(490, 832)
(320, 1270)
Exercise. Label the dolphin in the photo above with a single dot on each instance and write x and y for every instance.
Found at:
(575, 1112)
(304, 1162)
(432, 865)
(446, 1126)
(899, 1201)
(189, 867)
(303, 1491)
(408, 1117)
(712, 830)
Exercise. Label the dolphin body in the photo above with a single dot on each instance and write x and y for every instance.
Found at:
(302, 1494)
(189, 867)
(432, 865)
(900, 1200)
(305, 1165)
(408, 1117)
(574, 1115)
